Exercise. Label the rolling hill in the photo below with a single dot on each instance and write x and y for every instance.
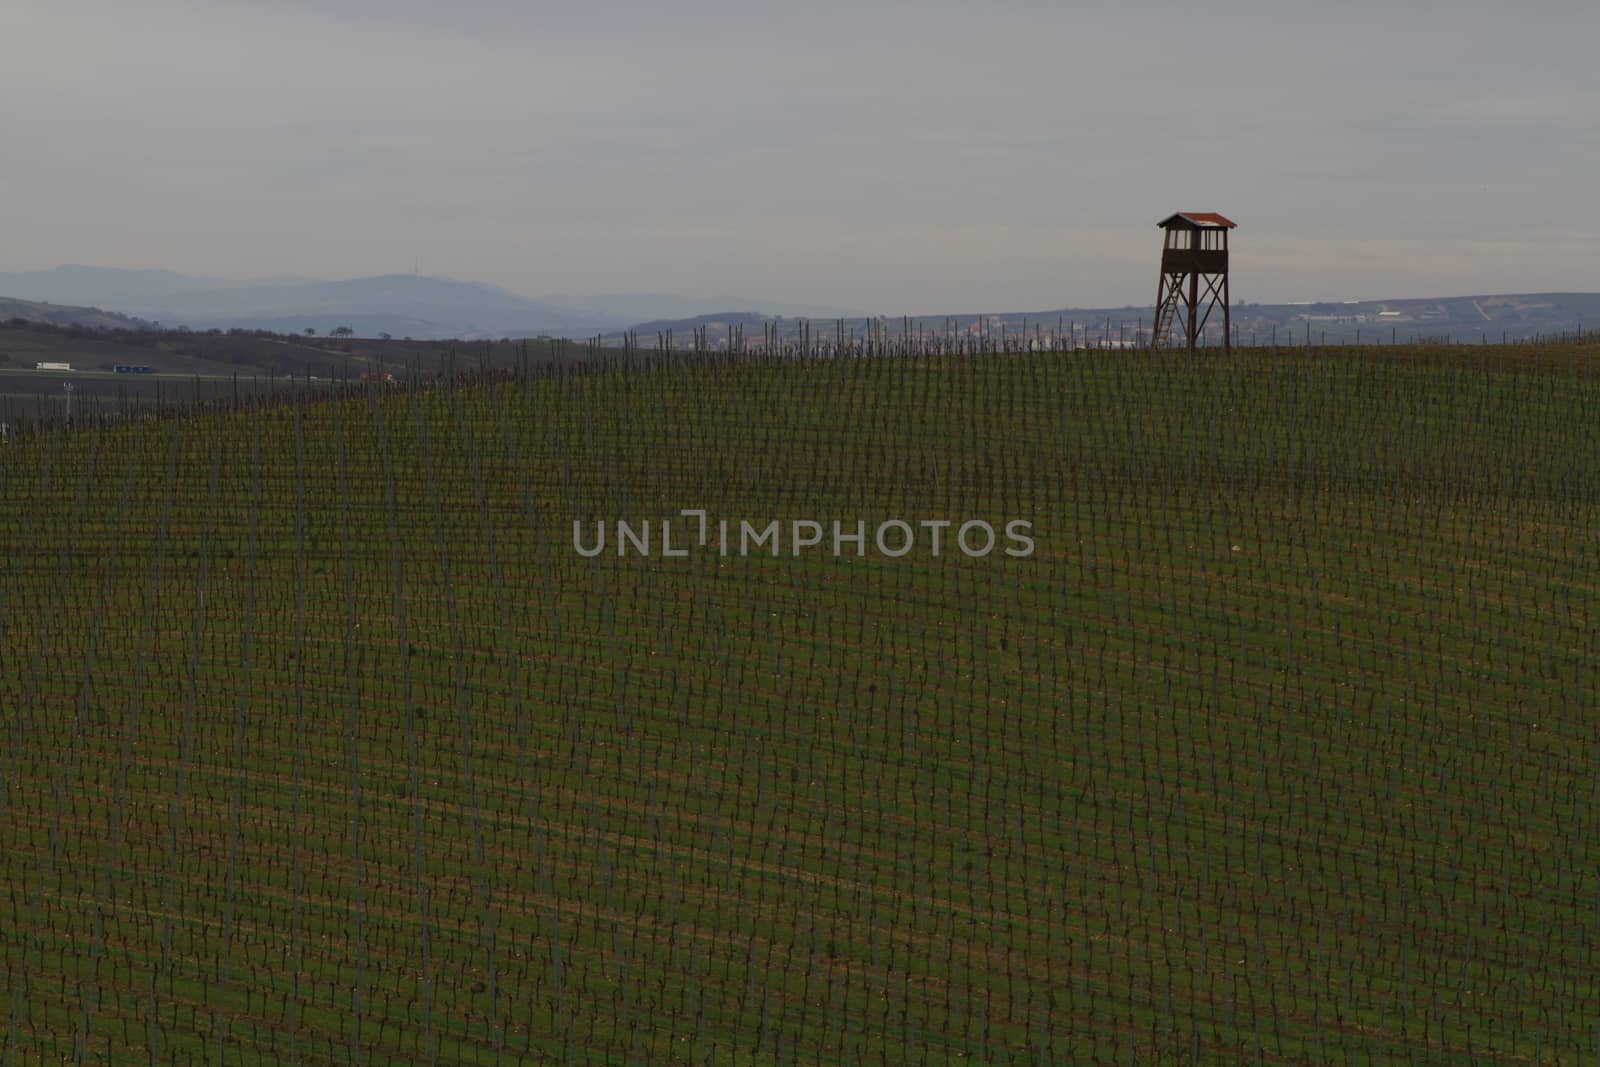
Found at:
(67, 315)
(324, 742)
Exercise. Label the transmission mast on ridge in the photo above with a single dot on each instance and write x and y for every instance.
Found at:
(1194, 271)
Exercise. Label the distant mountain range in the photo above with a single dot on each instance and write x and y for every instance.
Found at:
(430, 308)
(402, 305)
(397, 304)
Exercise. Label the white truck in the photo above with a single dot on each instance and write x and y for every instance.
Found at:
(52, 366)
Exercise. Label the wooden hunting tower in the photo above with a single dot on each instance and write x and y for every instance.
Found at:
(1193, 255)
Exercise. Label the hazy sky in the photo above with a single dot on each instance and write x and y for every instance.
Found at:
(895, 157)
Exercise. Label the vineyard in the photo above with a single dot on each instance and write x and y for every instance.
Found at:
(321, 742)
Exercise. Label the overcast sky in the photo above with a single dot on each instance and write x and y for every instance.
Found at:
(901, 158)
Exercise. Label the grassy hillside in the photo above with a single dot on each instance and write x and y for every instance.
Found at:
(241, 352)
(66, 315)
(322, 742)
(215, 366)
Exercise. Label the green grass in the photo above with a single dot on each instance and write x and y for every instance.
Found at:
(320, 741)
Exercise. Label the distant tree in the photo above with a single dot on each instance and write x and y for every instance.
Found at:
(341, 331)
(386, 336)
(311, 331)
